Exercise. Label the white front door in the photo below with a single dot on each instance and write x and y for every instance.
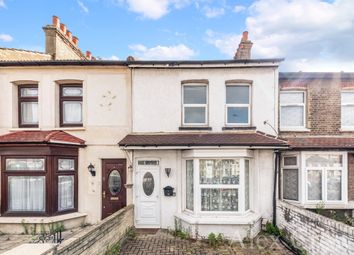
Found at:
(147, 191)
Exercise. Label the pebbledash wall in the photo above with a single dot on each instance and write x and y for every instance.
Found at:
(315, 233)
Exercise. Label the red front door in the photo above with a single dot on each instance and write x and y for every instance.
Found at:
(113, 190)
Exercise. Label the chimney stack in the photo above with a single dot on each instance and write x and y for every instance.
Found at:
(55, 21)
(244, 48)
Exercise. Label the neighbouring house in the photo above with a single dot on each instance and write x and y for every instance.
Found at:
(317, 120)
(60, 44)
(60, 121)
(203, 143)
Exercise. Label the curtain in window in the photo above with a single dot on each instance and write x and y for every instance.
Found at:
(292, 116)
(29, 113)
(26, 193)
(334, 185)
(219, 199)
(72, 112)
(65, 192)
(189, 185)
(247, 185)
(314, 185)
(290, 184)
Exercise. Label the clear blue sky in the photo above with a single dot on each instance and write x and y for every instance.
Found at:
(312, 35)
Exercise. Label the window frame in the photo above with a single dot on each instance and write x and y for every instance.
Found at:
(291, 167)
(51, 174)
(198, 187)
(63, 99)
(303, 105)
(239, 105)
(341, 109)
(344, 178)
(21, 99)
(206, 105)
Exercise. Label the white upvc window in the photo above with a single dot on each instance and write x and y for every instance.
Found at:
(238, 104)
(290, 177)
(221, 186)
(292, 110)
(326, 176)
(347, 109)
(195, 105)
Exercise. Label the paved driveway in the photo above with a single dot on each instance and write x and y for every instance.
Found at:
(165, 244)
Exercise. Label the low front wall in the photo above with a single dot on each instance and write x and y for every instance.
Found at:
(315, 233)
(98, 238)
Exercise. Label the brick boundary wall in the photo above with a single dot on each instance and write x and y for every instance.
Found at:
(315, 233)
(97, 238)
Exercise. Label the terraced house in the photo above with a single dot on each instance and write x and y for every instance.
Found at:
(317, 119)
(206, 144)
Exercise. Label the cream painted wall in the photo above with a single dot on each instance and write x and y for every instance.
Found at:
(261, 184)
(157, 96)
(106, 114)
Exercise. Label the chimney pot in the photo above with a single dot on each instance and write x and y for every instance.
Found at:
(75, 40)
(63, 28)
(88, 55)
(55, 21)
(245, 36)
(69, 34)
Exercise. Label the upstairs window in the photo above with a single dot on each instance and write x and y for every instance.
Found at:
(347, 109)
(195, 105)
(238, 105)
(28, 105)
(70, 105)
(292, 109)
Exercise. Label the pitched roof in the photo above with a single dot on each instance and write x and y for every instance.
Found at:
(321, 142)
(52, 136)
(11, 54)
(253, 139)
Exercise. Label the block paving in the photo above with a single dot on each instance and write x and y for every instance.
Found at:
(164, 243)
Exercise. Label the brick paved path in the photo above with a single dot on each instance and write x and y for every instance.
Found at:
(166, 244)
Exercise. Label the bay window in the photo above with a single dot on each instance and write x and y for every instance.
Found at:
(28, 105)
(195, 104)
(292, 109)
(39, 185)
(238, 108)
(220, 185)
(71, 105)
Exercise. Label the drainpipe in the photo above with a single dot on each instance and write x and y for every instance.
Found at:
(276, 170)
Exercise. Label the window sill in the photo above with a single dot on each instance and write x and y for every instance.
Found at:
(294, 129)
(43, 219)
(347, 129)
(238, 128)
(70, 128)
(194, 128)
(24, 129)
(242, 219)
